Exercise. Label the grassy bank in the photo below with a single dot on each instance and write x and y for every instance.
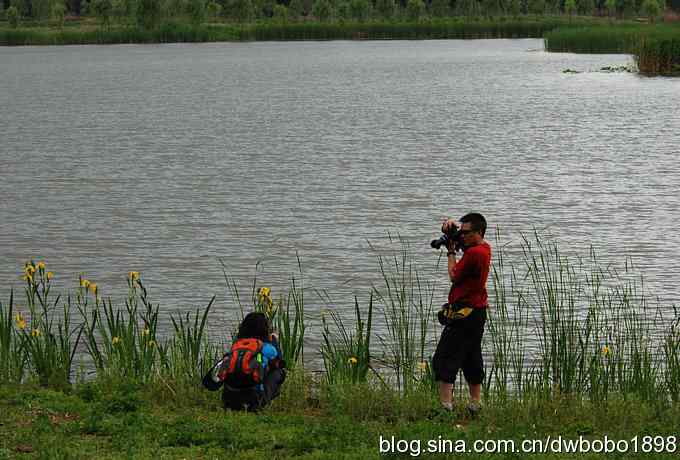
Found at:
(501, 27)
(122, 419)
(656, 47)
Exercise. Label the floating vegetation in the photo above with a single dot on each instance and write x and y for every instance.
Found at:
(617, 69)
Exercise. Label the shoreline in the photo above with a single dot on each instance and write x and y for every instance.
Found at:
(177, 32)
(656, 48)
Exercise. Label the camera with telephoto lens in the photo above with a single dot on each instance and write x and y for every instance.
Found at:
(454, 234)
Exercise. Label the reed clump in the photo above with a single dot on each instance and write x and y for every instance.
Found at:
(656, 48)
(659, 55)
(165, 33)
(559, 327)
(173, 31)
(595, 39)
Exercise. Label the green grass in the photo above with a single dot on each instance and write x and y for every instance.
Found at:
(123, 419)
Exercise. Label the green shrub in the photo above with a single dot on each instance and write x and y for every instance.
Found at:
(197, 11)
(385, 8)
(467, 8)
(264, 8)
(360, 9)
(323, 10)
(39, 9)
(57, 14)
(491, 8)
(536, 7)
(586, 7)
(213, 10)
(343, 10)
(13, 16)
(651, 9)
(296, 8)
(148, 14)
(415, 9)
(610, 6)
(440, 8)
(241, 10)
(103, 10)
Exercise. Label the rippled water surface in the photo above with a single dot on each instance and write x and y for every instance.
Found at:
(165, 158)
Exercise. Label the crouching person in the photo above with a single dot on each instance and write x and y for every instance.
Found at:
(252, 371)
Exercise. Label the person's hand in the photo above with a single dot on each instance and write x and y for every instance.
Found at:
(447, 224)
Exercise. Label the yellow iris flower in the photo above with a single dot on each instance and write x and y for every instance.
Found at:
(151, 343)
(134, 276)
(21, 322)
(84, 283)
(352, 360)
(49, 275)
(93, 288)
(605, 350)
(35, 333)
(115, 340)
(41, 265)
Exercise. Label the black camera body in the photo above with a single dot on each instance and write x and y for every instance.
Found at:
(453, 234)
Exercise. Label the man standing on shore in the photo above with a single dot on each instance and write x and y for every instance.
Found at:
(460, 345)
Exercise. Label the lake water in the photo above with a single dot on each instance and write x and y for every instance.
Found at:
(165, 158)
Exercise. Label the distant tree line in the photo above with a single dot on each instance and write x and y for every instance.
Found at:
(149, 13)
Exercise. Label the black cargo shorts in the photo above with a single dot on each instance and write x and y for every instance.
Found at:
(460, 347)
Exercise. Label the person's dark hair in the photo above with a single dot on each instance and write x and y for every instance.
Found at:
(256, 326)
(477, 222)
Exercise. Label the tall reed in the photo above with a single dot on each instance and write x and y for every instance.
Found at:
(176, 31)
(507, 375)
(671, 350)
(659, 55)
(12, 354)
(189, 352)
(407, 305)
(557, 326)
(346, 355)
(290, 324)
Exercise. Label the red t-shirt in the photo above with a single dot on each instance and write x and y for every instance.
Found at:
(470, 274)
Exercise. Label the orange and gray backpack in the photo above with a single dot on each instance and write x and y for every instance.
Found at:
(241, 367)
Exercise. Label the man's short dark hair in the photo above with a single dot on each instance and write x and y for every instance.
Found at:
(477, 222)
